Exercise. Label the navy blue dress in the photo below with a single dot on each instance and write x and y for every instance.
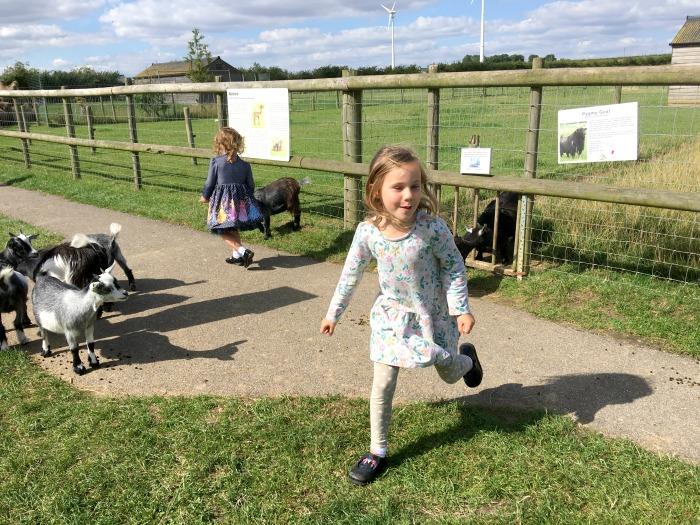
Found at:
(229, 188)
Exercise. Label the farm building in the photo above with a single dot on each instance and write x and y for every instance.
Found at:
(176, 73)
(685, 49)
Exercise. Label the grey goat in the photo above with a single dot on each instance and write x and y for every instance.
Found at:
(62, 308)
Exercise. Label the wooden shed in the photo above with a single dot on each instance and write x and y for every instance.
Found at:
(685, 49)
(176, 73)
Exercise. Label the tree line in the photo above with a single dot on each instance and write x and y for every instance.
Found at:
(32, 78)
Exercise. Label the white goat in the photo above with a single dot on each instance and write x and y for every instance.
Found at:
(64, 309)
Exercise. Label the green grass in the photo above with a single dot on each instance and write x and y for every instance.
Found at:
(70, 457)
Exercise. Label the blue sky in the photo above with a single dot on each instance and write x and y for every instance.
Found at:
(129, 35)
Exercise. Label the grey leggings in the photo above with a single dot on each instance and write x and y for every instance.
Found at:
(384, 386)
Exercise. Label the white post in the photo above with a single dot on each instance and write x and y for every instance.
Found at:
(481, 45)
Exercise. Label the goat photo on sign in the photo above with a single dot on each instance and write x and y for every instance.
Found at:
(572, 143)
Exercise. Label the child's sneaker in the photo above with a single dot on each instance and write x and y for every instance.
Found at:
(475, 375)
(367, 469)
(247, 257)
(234, 260)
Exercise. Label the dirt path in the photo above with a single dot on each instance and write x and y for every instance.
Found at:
(200, 326)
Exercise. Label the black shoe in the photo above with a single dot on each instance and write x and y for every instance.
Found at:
(475, 375)
(234, 260)
(367, 469)
(247, 257)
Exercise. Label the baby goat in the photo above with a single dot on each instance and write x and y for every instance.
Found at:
(64, 309)
(109, 243)
(13, 298)
(278, 196)
(18, 249)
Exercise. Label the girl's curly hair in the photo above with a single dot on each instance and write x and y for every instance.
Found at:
(229, 142)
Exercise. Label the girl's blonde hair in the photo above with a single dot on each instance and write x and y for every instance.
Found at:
(230, 142)
(387, 158)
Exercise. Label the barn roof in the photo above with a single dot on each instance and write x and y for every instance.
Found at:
(688, 34)
(177, 68)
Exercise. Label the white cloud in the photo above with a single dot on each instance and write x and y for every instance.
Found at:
(34, 11)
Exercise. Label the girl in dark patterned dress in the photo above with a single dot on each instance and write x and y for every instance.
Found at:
(229, 192)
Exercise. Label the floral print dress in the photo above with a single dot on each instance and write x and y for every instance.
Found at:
(423, 286)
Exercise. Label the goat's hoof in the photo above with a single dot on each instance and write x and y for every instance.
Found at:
(268, 237)
(80, 369)
(96, 364)
(132, 287)
(46, 353)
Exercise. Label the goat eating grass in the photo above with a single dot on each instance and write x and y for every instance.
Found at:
(62, 308)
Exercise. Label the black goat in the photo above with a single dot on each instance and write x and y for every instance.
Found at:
(278, 196)
(18, 249)
(572, 145)
(109, 243)
(480, 238)
(74, 263)
(13, 298)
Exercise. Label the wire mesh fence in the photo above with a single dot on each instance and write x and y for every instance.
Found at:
(565, 232)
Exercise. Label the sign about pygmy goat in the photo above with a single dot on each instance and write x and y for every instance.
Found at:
(598, 134)
(261, 115)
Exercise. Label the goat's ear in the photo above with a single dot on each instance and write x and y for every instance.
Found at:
(469, 230)
(12, 234)
(482, 229)
(33, 236)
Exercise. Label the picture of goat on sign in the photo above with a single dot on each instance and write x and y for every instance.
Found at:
(278, 196)
(572, 144)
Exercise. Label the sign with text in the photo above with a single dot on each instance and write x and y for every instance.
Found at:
(261, 115)
(598, 134)
(475, 161)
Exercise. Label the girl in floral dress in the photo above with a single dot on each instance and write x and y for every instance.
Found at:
(423, 303)
(229, 192)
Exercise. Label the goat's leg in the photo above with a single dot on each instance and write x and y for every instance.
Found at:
(121, 261)
(3, 336)
(90, 341)
(45, 346)
(268, 234)
(20, 314)
(296, 225)
(78, 366)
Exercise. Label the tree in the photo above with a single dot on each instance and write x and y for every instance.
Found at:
(24, 75)
(199, 56)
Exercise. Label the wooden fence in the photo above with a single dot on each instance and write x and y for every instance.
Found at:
(352, 166)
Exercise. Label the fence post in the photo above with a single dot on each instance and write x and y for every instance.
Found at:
(70, 131)
(25, 122)
(114, 110)
(352, 152)
(172, 100)
(131, 117)
(618, 95)
(433, 139)
(526, 202)
(219, 105)
(90, 126)
(45, 104)
(21, 127)
(188, 129)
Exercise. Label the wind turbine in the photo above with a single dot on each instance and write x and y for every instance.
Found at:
(481, 45)
(392, 13)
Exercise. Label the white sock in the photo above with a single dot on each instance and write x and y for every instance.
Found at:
(381, 452)
(241, 250)
(235, 255)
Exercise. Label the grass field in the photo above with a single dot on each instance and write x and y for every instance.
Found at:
(70, 457)
(592, 262)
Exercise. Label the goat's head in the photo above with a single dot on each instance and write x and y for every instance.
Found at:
(21, 245)
(107, 287)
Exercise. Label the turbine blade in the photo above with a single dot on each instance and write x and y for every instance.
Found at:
(393, 5)
(385, 8)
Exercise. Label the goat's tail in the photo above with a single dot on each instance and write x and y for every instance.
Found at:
(304, 181)
(80, 240)
(114, 229)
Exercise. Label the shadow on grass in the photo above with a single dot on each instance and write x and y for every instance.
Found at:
(513, 407)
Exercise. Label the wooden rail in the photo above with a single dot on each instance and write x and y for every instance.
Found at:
(672, 200)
